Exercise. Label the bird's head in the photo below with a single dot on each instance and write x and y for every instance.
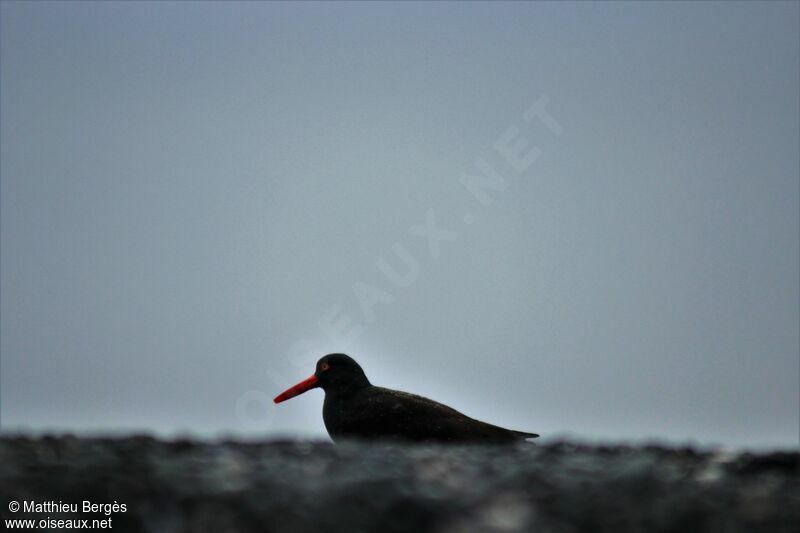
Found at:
(334, 372)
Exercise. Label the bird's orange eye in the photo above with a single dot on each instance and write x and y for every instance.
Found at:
(323, 367)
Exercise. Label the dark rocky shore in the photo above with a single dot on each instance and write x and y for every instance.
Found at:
(196, 487)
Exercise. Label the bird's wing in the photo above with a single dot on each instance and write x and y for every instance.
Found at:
(394, 414)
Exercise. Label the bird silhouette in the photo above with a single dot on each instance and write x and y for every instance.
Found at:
(356, 409)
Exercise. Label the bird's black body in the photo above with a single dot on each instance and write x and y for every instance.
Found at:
(376, 413)
(356, 409)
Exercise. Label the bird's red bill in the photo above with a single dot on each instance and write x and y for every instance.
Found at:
(300, 388)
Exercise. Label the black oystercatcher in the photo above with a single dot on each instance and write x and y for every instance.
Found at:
(356, 409)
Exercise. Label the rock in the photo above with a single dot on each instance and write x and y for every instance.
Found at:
(287, 487)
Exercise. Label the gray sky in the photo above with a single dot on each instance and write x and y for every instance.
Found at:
(196, 198)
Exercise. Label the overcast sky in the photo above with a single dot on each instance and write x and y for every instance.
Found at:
(576, 219)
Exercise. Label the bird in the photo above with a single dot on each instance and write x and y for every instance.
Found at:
(355, 409)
